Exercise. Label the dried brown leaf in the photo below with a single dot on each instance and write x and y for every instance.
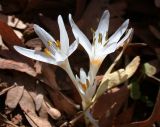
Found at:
(155, 116)
(19, 66)
(26, 103)
(48, 72)
(53, 112)
(36, 121)
(109, 104)
(13, 96)
(9, 36)
(38, 101)
(62, 103)
(6, 89)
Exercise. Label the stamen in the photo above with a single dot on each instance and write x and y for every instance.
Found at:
(58, 44)
(94, 40)
(84, 86)
(47, 52)
(100, 38)
(106, 39)
(92, 30)
(106, 42)
(50, 43)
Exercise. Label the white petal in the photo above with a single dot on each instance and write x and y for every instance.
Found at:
(36, 55)
(60, 57)
(123, 40)
(83, 75)
(83, 40)
(79, 86)
(43, 35)
(109, 48)
(63, 35)
(104, 23)
(91, 91)
(118, 34)
(73, 47)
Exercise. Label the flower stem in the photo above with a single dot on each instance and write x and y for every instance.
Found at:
(66, 66)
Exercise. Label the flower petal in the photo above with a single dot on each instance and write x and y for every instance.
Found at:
(123, 40)
(83, 76)
(91, 91)
(73, 47)
(109, 48)
(118, 34)
(104, 23)
(79, 86)
(83, 40)
(43, 35)
(63, 35)
(36, 55)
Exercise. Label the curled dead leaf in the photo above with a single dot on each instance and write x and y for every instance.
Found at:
(118, 77)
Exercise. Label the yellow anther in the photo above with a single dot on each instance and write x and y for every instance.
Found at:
(100, 38)
(58, 44)
(106, 37)
(50, 43)
(47, 52)
(84, 86)
(94, 40)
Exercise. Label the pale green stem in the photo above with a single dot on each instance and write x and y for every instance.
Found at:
(66, 66)
(91, 119)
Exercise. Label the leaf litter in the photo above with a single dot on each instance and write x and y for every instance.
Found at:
(32, 93)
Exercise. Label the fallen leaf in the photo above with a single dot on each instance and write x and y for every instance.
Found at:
(38, 101)
(53, 112)
(27, 105)
(6, 89)
(149, 69)
(117, 77)
(108, 105)
(13, 96)
(9, 37)
(19, 66)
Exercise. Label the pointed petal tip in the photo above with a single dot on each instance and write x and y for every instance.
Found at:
(71, 20)
(106, 12)
(16, 47)
(70, 15)
(59, 18)
(35, 26)
(126, 21)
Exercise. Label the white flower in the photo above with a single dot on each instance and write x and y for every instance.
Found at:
(102, 45)
(86, 89)
(56, 52)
